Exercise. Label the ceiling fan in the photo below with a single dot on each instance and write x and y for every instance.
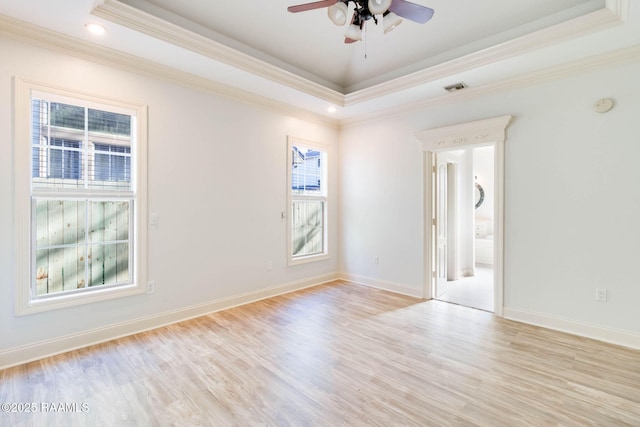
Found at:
(392, 12)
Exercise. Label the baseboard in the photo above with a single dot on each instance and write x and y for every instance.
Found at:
(613, 336)
(28, 353)
(381, 284)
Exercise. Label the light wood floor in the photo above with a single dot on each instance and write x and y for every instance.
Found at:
(337, 354)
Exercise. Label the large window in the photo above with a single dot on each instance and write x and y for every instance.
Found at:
(85, 198)
(307, 190)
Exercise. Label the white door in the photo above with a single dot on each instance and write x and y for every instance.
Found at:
(441, 225)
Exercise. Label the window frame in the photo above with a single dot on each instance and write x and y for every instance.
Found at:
(26, 302)
(323, 196)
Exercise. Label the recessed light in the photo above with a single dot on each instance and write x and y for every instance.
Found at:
(331, 109)
(96, 29)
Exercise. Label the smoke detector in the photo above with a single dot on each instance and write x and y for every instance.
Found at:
(603, 105)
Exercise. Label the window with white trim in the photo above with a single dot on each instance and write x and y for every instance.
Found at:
(307, 200)
(85, 197)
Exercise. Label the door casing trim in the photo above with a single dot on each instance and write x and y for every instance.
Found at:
(488, 132)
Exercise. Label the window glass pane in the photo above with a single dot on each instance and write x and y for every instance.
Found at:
(307, 228)
(60, 269)
(108, 122)
(122, 263)
(67, 116)
(62, 249)
(59, 222)
(112, 163)
(60, 236)
(35, 162)
(38, 110)
(63, 157)
(108, 264)
(109, 221)
(306, 170)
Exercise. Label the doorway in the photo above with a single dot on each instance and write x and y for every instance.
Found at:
(464, 195)
(449, 140)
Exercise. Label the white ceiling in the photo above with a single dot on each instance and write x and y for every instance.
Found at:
(300, 59)
(309, 41)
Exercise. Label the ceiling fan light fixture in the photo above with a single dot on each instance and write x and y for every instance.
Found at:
(378, 7)
(390, 21)
(338, 13)
(353, 32)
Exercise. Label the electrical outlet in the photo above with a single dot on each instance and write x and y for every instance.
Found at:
(151, 287)
(376, 260)
(601, 295)
(269, 266)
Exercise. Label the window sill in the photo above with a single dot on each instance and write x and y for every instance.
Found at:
(65, 301)
(307, 259)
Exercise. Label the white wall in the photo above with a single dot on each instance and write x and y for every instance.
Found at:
(464, 213)
(217, 179)
(382, 205)
(483, 170)
(572, 196)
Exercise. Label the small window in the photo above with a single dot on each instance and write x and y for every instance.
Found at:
(307, 190)
(85, 197)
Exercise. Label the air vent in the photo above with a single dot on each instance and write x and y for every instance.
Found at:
(455, 87)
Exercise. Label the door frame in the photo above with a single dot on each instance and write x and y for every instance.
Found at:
(441, 200)
(452, 220)
(461, 136)
(450, 212)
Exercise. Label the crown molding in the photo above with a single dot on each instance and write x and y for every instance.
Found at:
(137, 20)
(26, 32)
(602, 61)
(614, 13)
(53, 40)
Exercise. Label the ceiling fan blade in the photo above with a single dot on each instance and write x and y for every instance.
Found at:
(347, 40)
(311, 6)
(411, 11)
